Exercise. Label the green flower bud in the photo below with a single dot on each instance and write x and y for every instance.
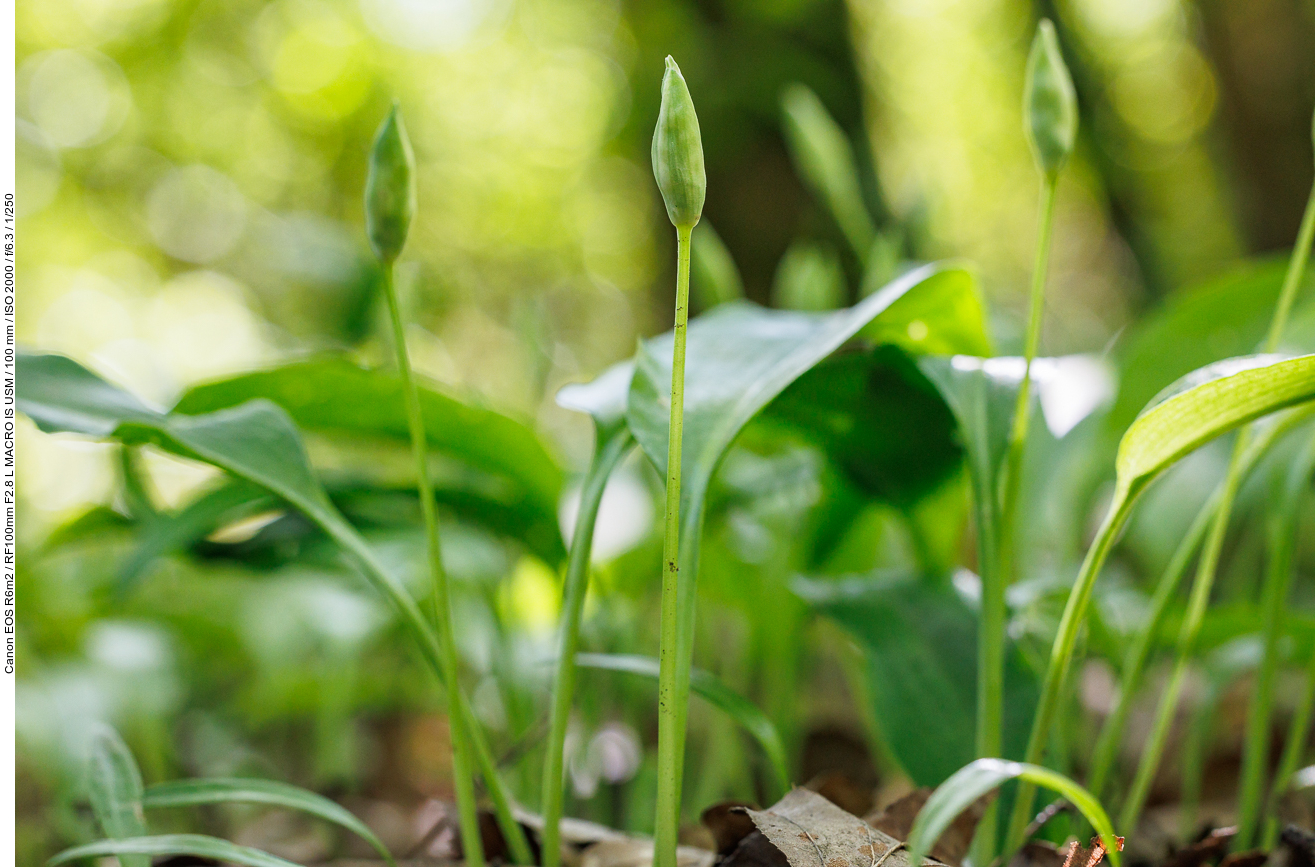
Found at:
(390, 191)
(1050, 106)
(678, 152)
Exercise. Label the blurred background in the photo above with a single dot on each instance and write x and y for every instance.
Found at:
(190, 176)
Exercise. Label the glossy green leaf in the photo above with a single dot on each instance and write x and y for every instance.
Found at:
(712, 690)
(114, 787)
(332, 395)
(739, 357)
(985, 775)
(1206, 404)
(946, 316)
(919, 639)
(197, 845)
(182, 793)
(877, 418)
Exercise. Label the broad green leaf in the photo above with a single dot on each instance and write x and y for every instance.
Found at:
(182, 793)
(258, 442)
(1224, 317)
(877, 418)
(946, 316)
(198, 845)
(604, 398)
(710, 688)
(333, 395)
(985, 775)
(114, 787)
(825, 159)
(1205, 404)
(919, 639)
(61, 395)
(738, 358)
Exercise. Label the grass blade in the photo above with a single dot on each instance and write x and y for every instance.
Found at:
(183, 793)
(197, 845)
(114, 787)
(985, 775)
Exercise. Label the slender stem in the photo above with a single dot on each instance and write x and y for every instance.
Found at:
(672, 700)
(1061, 652)
(1293, 750)
(998, 573)
(1274, 599)
(1134, 662)
(610, 451)
(1206, 569)
(1197, 604)
(1292, 279)
(462, 772)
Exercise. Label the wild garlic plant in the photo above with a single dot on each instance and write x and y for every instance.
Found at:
(678, 168)
(390, 205)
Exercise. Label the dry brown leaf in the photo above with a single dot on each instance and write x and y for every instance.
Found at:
(813, 832)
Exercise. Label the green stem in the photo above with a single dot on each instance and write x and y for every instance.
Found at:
(462, 773)
(1274, 599)
(1292, 279)
(1061, 653)
(1197, 604)
(610, 452)
(1206, 569)
(1134, 662)
(1293, 750)
(672, 699)
(997, 571)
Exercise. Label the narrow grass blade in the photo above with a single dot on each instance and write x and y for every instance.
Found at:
(183, 793)
(114, 787)
(985, 775)
(712, 690)
(197, 845)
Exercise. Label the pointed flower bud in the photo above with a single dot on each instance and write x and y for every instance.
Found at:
(1050, 106)
(678, 152)
(390, 193)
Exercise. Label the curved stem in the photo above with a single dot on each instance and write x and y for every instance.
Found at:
(462, 772)
(672, 698)
(1134, 663)
(1197, 604)
(1293, 749)
(1274, 599)
(1292, 279)
(1061, 652)
(610, 452)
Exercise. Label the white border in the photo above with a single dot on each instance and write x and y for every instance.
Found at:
(8, 841)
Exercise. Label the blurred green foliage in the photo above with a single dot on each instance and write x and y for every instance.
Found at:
(190, 176)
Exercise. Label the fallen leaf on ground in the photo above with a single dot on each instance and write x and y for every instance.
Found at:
(810, 831)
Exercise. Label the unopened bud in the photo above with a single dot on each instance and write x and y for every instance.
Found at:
(678, 152)
(1050, 105)
(390, 193)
